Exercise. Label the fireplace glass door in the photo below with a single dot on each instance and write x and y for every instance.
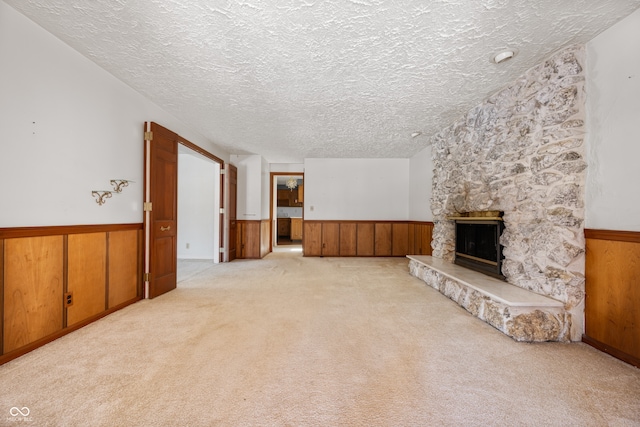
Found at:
(478, 246)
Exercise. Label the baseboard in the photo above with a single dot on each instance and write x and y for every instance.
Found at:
(611, 351)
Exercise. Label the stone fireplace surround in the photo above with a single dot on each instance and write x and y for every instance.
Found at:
(522, 152)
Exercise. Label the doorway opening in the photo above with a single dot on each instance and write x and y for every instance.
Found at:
(287, 212)
(160, 249)
(198, 209)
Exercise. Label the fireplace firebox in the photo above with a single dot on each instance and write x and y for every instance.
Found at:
(478, 242)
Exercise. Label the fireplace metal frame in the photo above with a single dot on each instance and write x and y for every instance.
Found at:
(491, 268)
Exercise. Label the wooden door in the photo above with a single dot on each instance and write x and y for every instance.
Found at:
(232, 173)
(161, 182)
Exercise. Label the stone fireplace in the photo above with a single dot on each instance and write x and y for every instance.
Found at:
(521, 152)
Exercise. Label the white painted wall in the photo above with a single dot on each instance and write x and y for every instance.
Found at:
(286, 167)
(356, 189)
(198, 202)
(613, 140)
(68, 128)
(420, 186)
(249, 198)
(266, 189)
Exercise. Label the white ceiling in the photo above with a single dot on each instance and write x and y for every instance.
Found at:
(294, 79)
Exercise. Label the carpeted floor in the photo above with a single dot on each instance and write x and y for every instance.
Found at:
(293, 341)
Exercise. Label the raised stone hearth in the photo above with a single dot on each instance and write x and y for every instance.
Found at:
(520, 314)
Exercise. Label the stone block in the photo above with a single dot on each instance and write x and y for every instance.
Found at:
(537, 326)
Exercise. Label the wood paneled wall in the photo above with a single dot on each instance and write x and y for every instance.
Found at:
(612, 314)
(54, 280)
(253, 239)
(366, 238)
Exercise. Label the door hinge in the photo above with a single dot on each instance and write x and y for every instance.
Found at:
(148, 136)
(146, 277)
(221, 250)
(223, 171)
(148, 206)
(222, 210)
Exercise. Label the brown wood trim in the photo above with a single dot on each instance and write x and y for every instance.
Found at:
(200, 150)
(49, 338)
(106, 270)
(65, 278)
(614, 235)
(421, 222)
(140, 292)
(611, 351)
(10, 233)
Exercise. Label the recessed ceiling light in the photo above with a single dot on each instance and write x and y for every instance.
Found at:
(504, 55)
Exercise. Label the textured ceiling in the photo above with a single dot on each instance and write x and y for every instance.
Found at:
(291, 79)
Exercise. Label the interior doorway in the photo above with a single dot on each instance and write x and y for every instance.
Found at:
(287, 210)
(198, 204)
(160, 251)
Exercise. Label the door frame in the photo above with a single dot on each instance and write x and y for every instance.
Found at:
(272, 194)
(222, 164)
(148, 138)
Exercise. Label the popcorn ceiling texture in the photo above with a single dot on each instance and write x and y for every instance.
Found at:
(522, 152)
(334, 78)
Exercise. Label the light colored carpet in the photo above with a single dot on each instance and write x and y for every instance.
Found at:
(293, 341)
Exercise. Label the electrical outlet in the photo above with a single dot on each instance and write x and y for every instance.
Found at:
(188, 245)
(68, 299)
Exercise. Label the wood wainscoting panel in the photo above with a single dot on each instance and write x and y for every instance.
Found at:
(33, 289)
(86, 276)
(411, 250)
(348, 239)
(124, 276)
(365, 239)
(1, 296)
(400, 239)
(423, 236)
(265, 238)
(383, 242)
(249, 239)
(330, 238)
(612, 286)
(312, 238)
